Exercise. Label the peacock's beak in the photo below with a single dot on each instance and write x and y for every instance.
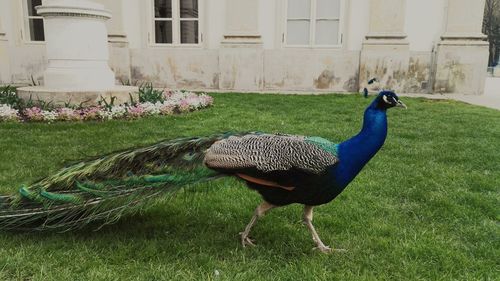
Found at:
(401, 104)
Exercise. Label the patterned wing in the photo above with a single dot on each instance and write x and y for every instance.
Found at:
(267, 152)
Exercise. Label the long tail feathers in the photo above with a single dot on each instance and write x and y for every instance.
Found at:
(105, 188)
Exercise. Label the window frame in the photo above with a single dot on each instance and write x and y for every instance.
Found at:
(176, 26)
(312, 27)
(25, 26)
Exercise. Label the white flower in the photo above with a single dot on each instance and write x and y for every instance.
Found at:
(118, 111)
(49, 115)
(151, 108)
(8, 113)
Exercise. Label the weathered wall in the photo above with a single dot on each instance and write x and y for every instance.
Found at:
(241, 67)
(398, 69)
(176, 68)
(387, 63)
(462, 53)
(248, 69)
(460, 68)
(319, 70)
(26, 62)
(119, 62)
(418, 76)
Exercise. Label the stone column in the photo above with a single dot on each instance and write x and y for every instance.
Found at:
(241, 58)
(119, 52)
(5, 76)
(462, 53)
(77, 53)
(385, 53)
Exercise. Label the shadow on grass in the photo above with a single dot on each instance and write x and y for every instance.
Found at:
(170, 228)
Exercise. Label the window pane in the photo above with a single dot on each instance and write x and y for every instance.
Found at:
(163, 32)
(189, 8)
(36, 30)
(298, 32)
(299, 9)
(163, 8)
(31, 7)
(189, 32)
(327, 32)
(329, 9)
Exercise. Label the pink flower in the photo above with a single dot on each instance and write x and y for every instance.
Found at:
(206, 100)
(167, 109)
(91, 113)
(135, 111)
(184, 105)
(33, 113)
(167, 93)
(68, 114)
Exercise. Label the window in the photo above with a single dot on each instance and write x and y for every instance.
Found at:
(176, 22)
(34, 22)
(313, 23)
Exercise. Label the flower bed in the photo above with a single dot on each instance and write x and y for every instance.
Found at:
(169, 103)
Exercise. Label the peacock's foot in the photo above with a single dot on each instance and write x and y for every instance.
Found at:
(245, 240)
(327, 250)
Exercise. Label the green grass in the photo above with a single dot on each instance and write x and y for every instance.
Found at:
(425, 208)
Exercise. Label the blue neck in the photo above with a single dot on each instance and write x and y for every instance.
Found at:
(357, 151)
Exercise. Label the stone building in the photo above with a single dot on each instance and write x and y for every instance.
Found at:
(417, 46)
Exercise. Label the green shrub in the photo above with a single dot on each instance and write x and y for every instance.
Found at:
(9, 96)
(149, 94)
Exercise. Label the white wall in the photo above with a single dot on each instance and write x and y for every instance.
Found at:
(7, 14)
(425, 20)
(358, 14)
(214, 23)
(132, 22)
(268, 23)
(277, 68)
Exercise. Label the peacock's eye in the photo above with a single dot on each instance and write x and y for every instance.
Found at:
(385, 98)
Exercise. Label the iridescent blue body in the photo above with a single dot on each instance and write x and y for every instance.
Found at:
(353, 155)
(358, 150)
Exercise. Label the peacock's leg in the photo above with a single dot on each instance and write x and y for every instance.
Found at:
(259, 212)
(308, 217)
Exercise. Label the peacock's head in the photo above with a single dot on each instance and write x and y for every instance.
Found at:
(386, 100)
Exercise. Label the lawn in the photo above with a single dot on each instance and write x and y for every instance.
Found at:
(425, 208)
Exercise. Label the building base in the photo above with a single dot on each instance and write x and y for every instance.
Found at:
(241, 66)
(62, 97)
(461, 67)
(387, 61)
(119, 60)
(496, 71)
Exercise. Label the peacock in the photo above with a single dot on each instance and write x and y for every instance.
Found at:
(284, 169)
